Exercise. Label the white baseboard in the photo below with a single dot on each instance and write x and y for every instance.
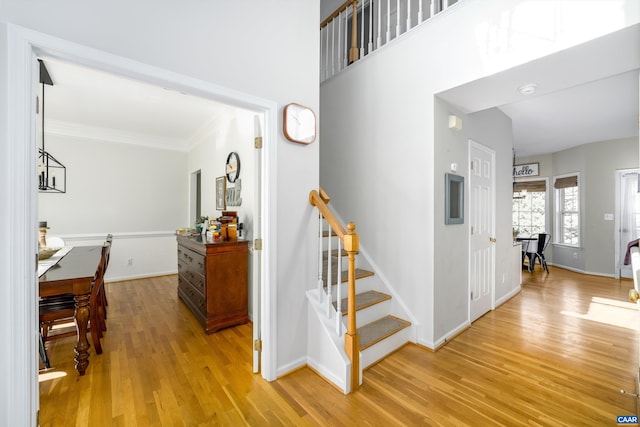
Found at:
(591, 273)
(508, 296)
(291, 366)
(140, 276)
(329, 376)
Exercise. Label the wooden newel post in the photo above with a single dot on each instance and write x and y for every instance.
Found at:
(354, 55)
(351, 338)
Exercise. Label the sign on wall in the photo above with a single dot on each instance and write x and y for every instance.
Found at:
(530, 169)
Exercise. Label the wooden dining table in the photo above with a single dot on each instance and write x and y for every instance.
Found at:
(73, 274)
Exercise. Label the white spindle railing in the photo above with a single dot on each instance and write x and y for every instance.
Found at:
(375, 30)
(326, 264)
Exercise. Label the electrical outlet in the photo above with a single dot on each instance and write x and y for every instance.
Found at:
(575, 255)
(130, 261)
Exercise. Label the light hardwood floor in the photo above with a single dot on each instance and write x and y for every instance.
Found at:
(556, 354)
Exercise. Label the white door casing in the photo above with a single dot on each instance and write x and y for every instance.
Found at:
(627, 213)
(481, 229)
(23, 46)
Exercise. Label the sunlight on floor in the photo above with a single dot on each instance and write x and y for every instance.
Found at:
(50, 375)
(611, 312)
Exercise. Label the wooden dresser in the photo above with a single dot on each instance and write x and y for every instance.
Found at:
(213, 281)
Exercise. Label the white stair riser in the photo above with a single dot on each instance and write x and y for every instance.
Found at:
(371, 314)
(362, 285)
(383, 348)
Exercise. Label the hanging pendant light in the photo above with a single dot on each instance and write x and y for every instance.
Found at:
(52, 175)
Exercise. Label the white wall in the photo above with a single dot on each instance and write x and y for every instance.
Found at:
(238, 46)
(378, 132)
(210, 155)
(138, 194)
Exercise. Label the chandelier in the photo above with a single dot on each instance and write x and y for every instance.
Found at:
(52, 175)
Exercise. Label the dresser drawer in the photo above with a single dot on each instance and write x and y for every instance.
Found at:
(195, 278)
(191, 294)
(190, 259)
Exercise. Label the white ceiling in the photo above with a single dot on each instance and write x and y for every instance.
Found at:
(585, 94)
(90, 103)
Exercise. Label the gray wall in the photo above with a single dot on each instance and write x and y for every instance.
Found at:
(597, 163)
(492, 129)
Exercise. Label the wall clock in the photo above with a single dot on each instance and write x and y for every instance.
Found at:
(233, 167)
(299, 124)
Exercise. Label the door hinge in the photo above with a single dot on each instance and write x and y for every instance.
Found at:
(257, 345)
(257, 244)
(472, 229)
(37, 105)
(471, 166)
(257, 142)
(471, 295)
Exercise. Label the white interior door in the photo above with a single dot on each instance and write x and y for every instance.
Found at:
(627, 216)
(481, 229)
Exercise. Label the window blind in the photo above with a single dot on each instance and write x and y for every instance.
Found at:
(537, 186)
(566, 182)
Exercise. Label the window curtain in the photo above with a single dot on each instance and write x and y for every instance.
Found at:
(629, 206)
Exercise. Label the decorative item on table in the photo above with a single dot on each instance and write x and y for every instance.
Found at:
(201, 223)
(213, 232)
(229, 226)
(42, 230)
(186, 231)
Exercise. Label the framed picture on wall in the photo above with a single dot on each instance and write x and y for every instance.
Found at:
(221, 193)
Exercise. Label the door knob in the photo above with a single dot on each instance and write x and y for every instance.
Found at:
(633, 295)
(492, 239)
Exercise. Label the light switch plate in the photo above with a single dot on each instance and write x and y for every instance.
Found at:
(608, 217)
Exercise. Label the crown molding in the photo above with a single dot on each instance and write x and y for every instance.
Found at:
(96, 133)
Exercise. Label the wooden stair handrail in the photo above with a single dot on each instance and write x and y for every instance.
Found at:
(351, 245)
(354, 54)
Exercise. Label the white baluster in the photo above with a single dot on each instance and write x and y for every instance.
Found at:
(333, 46)
(433, 8)
(408, 15)
(362, 30)
(420, 17)
(339, 292)
(329, 281)
(379, 38)
(327, 53)
(346, 36)
(398, 18)
(339, 52)
(445, 4)
(370, 46)
(388, 21)
(320, 283)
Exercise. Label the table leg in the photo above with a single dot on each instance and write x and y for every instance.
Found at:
(82, 321)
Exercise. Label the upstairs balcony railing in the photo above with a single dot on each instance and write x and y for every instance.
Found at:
(359, 27)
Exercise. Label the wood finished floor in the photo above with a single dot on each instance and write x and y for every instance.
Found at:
(556, 354)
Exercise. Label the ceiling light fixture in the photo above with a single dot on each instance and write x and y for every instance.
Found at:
(528, 89)
(48, 165)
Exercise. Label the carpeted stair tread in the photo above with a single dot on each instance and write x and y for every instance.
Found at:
(334, 253)
(363, 300)
(380, 329)
(360, 273)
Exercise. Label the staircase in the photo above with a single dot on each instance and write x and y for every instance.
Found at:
(380, 331)
(379, 318)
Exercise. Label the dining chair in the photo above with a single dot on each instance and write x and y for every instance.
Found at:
(58, 311)
(103, 295)
(536, 250)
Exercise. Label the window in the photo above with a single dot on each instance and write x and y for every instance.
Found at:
(567, 210)
(529, 207)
